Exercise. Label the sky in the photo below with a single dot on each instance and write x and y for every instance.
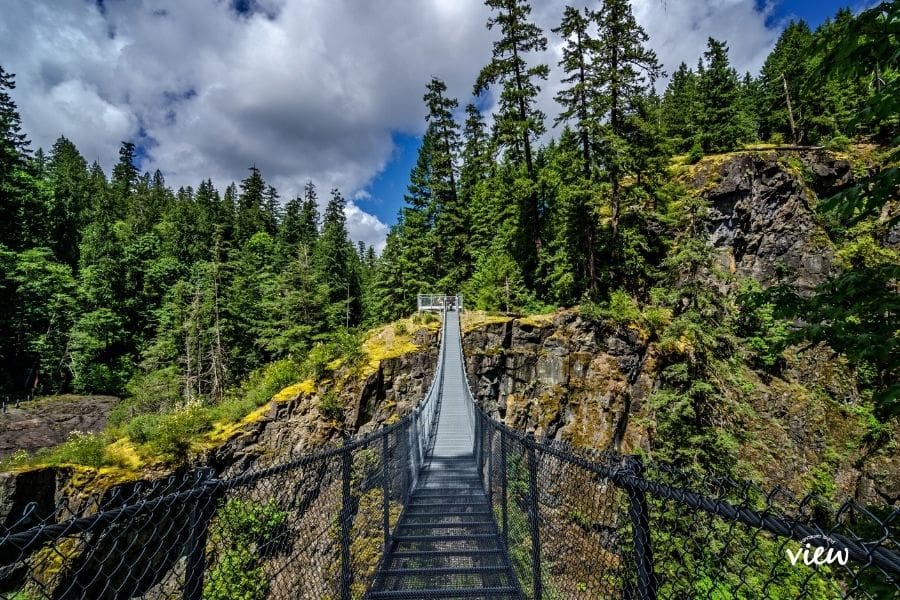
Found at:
(322, 90)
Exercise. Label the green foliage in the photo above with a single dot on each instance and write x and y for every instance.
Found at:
(81, 449)
(243, 531)
(764, 334)
(723, 122)
(695, 153)
(172, 433)
(330, 405)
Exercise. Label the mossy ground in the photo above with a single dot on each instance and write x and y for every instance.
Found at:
(111, 457)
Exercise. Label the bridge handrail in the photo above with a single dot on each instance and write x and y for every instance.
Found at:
(876, 554)
(397, 450)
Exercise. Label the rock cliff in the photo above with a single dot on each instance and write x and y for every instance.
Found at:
(761, 213)
(589, 383)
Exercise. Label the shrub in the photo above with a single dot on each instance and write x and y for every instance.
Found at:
(838, 143)
(776, 138)
(695, 153)
(246, 531)
(623, 309)
(331, 406)
(81, 449)
(262, 384)
(175, 431)
(400, 329)
(142, 428)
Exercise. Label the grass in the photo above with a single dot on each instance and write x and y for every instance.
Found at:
(473, 319)
(394, 339)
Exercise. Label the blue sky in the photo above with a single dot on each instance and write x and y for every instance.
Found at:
(385, 192)
(322, 90)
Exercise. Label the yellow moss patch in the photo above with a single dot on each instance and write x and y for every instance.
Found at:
(472, 319)
(123, 454)
(538, 320)
(223, 431)
(307, 386)
(392, 340)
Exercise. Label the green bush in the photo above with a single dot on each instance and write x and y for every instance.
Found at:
(81, 449)
(400, 329)
(262, 384)
(343, 344)
(236, 576)
(621, 308)
(331, 406)
(695, 153)
(838, 143)
(142, 428)
(245, 531)
(175, 431)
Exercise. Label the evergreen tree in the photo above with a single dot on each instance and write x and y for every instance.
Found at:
(579, 101)
(626, 70)
(250, 217)
(519, 122)
(335, 264)
(67, 174)
(681, 109)
(123, 183)
(450, 234)
(783, 78)
(722, 122)
(21, 206)
(13, 143)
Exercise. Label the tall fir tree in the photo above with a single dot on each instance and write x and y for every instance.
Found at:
(336, 265)
(783, 78)
(450, 234)
(626, 70)
(67, 173)
(518, 122)
(681, 109)
(722, 122)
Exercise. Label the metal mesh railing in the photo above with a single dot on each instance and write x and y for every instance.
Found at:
(314, 527)
(582, 524)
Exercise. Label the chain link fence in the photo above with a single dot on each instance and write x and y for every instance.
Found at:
(314, 527)
(582, 524)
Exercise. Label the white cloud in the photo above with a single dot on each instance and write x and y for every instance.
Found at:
(304, 90)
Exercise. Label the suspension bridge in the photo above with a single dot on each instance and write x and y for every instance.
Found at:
(448, 502)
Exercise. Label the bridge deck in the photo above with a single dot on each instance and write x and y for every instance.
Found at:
(447, 544)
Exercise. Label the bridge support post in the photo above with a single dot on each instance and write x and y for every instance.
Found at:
(504, 493)
(201, 515)
(638, 513)
(490, 465)
(534, 523)
(478, 455)
(386, 490)
(346, 465)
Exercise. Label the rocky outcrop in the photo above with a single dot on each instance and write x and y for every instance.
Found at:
(288, 428)
(564, 378)
(297, 426)
(761, 214)
(47, 422)
(590, 383)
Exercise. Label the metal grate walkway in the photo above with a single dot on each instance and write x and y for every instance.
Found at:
(447, 544)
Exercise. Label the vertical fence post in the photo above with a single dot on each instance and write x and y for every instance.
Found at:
(490, 466)
(534, 523)
(639, 515)
(477, 444)
(201, 514)
(386, 490)
(346, 464)
(503, 489)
